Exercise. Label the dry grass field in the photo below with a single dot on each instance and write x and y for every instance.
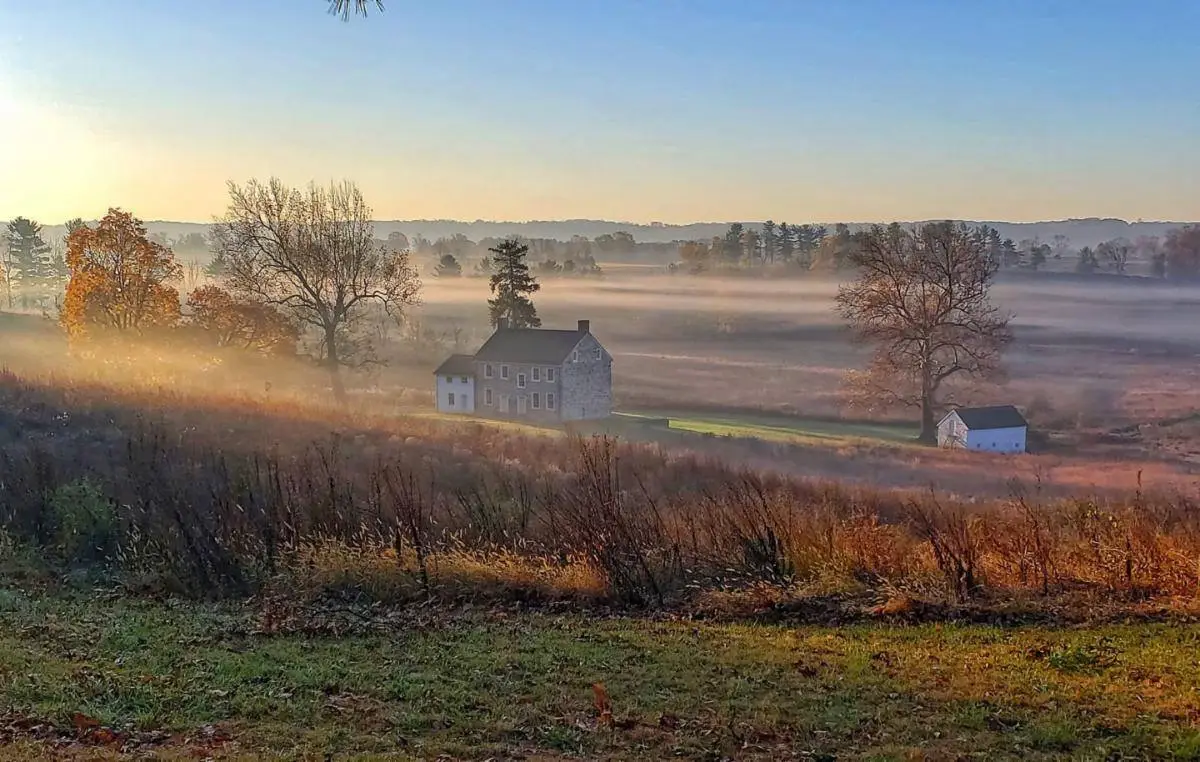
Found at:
(1108, 371)
(750, 371)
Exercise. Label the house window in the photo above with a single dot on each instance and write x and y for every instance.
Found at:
(536, 399)
(597, 353)
(487, 370)
(549, 400)
(487, 396)
(463, 379)
(575, 356)
(537, 374)
(451, 399)
(520, 380)
(550, 375)
(504, 372)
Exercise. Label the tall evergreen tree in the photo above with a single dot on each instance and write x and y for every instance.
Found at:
(511, 284)
(770, 241)
(787, 242)
(28, 253)
(731, 249)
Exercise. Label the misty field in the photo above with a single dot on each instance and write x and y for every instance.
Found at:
(1106, 370)
(750, 370)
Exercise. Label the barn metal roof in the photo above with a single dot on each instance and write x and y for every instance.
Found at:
(994, 417)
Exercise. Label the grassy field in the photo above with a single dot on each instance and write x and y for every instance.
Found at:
(778, 428)
(179, 680)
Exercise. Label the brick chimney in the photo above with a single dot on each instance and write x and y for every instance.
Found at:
(585, 326)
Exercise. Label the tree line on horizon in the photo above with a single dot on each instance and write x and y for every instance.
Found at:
(799, 248)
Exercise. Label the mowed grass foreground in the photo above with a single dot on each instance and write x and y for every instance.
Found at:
(481, 684)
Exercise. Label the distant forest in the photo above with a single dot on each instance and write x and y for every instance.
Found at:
(1081, 232)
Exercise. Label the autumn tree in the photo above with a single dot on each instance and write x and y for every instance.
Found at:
(921, 299)
(225, 321)
(695, 255)
(1182, 250)
(834, 252)
(312, 255)
(511, 286)
(119, 279)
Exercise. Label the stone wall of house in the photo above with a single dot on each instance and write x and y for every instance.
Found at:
(587, 382)
(533, 391)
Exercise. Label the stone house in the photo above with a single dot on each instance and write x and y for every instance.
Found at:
(530, 374)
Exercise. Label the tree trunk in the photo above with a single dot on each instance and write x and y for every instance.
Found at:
(928, 424)
(335, 364)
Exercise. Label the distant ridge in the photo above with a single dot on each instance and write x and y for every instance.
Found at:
(1082, 232)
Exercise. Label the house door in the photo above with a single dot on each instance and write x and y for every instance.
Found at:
(503, 403)
(522, 403)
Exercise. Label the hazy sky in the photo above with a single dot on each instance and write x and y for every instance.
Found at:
(671, 110)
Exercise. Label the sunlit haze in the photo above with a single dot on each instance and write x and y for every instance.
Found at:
(672, 111)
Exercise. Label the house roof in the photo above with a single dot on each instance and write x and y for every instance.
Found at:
(995, 417)
(529, 345)
(456, 365)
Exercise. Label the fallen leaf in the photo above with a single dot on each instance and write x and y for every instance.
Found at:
(603, 704)
(83, 723)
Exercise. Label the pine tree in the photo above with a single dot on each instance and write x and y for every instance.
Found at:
(770, 241)
(28, 254)
(511, 284)
(787, 242)
(731, 248)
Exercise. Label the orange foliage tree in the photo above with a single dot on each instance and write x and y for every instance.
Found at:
(229, 322)
(118, 279)
(1182, 250)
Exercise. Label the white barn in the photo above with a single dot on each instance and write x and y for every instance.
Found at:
(455, 386)
(1001, 428)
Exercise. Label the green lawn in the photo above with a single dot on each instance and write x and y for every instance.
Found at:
(477, 685)
(782, 428)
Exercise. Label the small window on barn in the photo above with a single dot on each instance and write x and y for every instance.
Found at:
(536, 399)
(487, 370)
(597, 353)
(504, 372)
(464, 379)
(487, 396)
(575, 356)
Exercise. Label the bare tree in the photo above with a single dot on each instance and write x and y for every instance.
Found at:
(921, 298)
(344, 8)
(1116, 253)
(312, 254)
